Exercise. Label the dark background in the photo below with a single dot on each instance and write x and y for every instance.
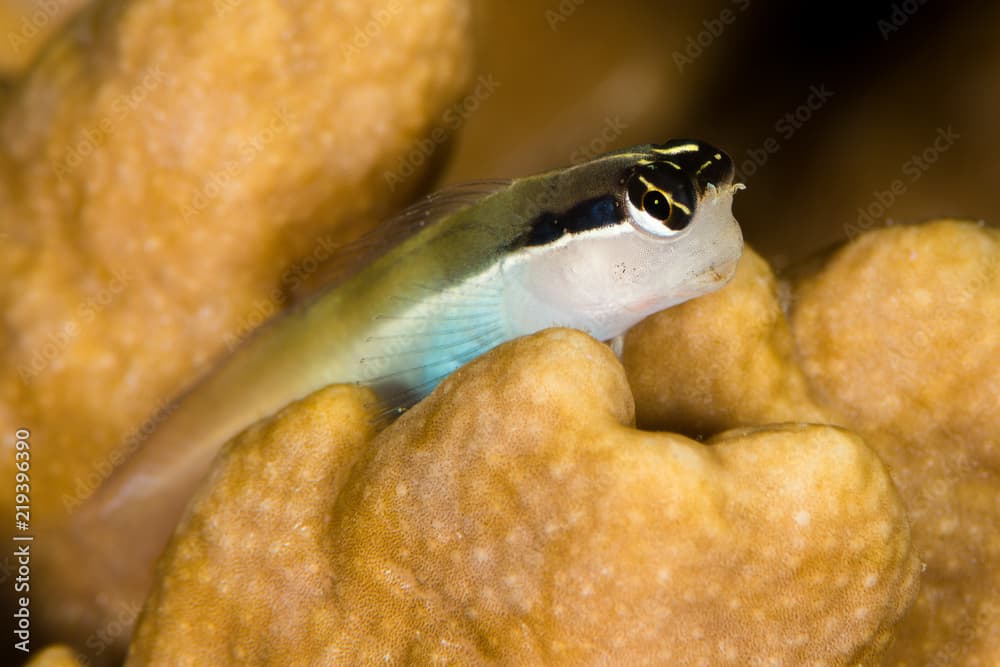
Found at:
(901, 74)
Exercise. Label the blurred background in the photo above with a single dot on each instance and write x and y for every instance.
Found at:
(840, 116)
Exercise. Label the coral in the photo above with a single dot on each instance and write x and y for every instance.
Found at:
(900, 336)
(27, 25)
(516, 515)
(55, 656)
(721, 361)
(169, 172)
(897, 338)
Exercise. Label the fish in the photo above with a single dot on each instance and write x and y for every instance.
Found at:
(596, 246)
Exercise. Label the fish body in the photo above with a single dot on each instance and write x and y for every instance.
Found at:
(597, 246)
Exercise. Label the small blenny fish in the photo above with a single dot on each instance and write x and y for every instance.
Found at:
(597, 246)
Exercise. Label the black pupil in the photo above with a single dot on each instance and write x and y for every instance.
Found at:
(656, 205)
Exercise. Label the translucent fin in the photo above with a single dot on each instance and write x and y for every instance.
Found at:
(348, 259)
(472, 326)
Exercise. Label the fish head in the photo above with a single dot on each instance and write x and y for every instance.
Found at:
(624, 236)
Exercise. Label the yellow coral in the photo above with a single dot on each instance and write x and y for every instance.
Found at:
(27, 25)
(719, 362)
(169, 171)
(897, 338)
(900, 335)
(517, 516)
(55, 656)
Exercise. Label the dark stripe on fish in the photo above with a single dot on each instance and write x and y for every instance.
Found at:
(548, 227)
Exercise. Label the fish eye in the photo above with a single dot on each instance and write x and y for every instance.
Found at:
(659, 199)
(657, 205)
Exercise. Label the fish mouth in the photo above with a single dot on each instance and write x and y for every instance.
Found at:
(723, 273)
(715, 278)
(711, 279)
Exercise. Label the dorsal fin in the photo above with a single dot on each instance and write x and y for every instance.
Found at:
(348, 259)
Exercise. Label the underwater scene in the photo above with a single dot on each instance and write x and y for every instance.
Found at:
(539, 332)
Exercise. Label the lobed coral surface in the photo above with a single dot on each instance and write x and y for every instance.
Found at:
(518, 516)
(166, 187)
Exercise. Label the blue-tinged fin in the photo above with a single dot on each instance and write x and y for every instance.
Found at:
(440, 328)
(412, 346)
(469, 318)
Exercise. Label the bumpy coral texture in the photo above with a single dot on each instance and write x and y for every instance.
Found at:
(517, 515)
(169, 173)
(898, 339)
(900, 336)
(719, 362)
